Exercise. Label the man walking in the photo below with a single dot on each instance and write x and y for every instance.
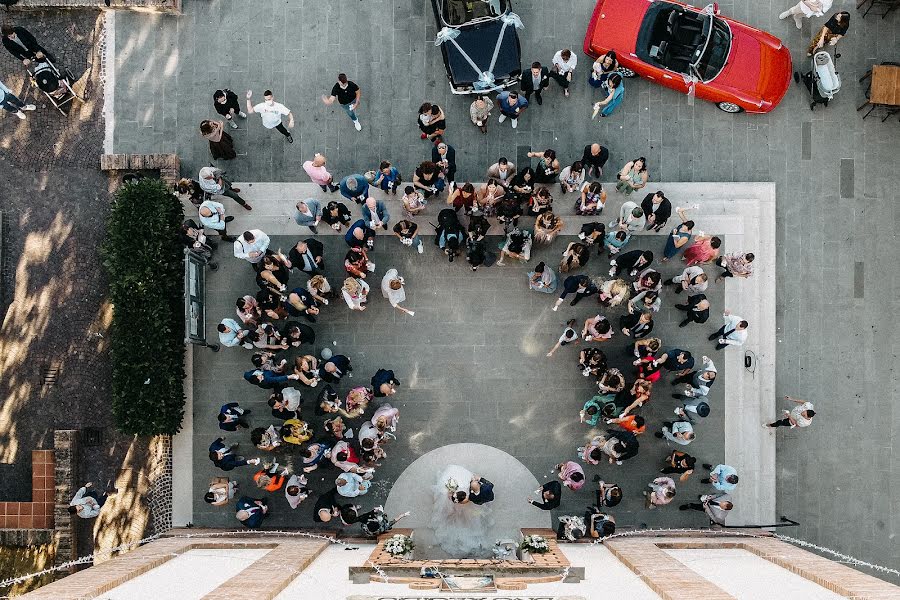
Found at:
(11, 103)
(799, 416)
(319, 175)
(347, 94)
(271, 113)
(511, 105)
(534, 81)
(212, 182)
(732, 333)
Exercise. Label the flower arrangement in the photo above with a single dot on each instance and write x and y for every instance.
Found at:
(399, 545)
(451, 485)
(534, 544)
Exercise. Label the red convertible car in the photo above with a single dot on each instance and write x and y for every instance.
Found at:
(738, 67)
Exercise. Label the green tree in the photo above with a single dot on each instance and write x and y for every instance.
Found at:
(145, 262)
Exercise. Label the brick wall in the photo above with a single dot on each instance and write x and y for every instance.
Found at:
(37, 514)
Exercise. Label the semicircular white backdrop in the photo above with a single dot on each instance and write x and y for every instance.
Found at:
(513, 482)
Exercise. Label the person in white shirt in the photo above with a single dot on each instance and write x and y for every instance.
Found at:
(212, 181)
(807, 9)
(271, 113)
(732, 333)
(251, 246)
(88, 502)
(800, 416)
(392, 289)
(212, 216)
(564, 62)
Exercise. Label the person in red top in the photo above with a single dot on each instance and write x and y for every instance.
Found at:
(633, 423)
(269, 479)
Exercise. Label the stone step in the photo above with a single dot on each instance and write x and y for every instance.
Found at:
(273, 208)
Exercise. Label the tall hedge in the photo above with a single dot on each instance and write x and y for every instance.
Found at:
(145, 263)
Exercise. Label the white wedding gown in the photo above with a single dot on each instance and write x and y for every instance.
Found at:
(460, 530)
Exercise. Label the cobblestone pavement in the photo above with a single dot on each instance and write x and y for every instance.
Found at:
(55, 202)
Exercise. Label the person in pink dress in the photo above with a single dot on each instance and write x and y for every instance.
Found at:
(316, 170)
(705, 249)
(571, 474)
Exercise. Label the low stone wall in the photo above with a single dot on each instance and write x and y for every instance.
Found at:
(158, 6)
(168, 165)
(21, 538)
(545, 567)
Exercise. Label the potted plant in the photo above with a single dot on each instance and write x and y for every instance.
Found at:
(399, 545)
(532, 544)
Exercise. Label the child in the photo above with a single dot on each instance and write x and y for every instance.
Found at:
(568, 336)
(413, 202)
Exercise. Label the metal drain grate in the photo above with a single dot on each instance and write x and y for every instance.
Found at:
(91, 436)
(49, 375)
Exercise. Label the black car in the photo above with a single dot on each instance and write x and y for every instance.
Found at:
(482, 34)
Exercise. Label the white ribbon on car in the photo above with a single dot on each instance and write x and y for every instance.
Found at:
(486, 81)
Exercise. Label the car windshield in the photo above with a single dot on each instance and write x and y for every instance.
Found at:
(460, 12)
(715, 51)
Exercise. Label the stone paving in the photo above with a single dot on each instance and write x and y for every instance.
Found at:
(55, 202)
(837, 205)
(473, 369)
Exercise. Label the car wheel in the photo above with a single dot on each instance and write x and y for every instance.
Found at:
(626, 72)
(729, 107)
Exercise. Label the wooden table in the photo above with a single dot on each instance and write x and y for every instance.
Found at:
(885, 85)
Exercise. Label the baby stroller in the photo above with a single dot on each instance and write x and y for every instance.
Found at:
(823, 81)
(56, 83)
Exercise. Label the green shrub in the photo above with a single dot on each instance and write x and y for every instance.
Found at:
(145, 263)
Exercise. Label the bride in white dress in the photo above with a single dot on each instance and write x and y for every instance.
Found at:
(460, 528)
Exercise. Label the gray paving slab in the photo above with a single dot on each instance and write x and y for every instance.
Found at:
(481, 380)
(818, 224)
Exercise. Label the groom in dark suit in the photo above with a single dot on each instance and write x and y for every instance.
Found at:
(481, 491)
